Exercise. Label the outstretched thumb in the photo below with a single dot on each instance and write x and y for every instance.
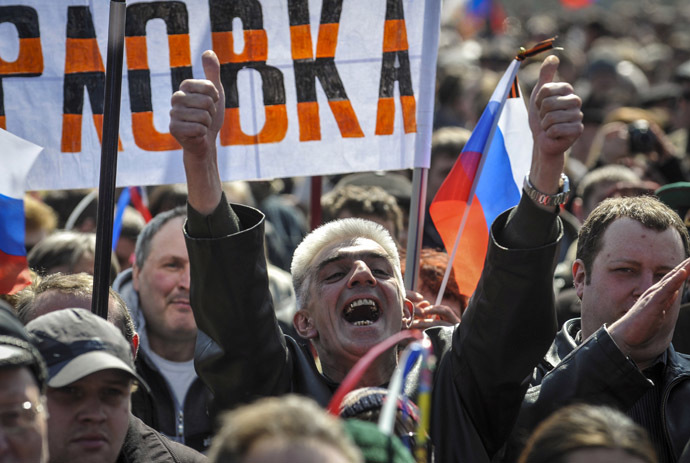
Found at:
(547, 71)
(212, 68)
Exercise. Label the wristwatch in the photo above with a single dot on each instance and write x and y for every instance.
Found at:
(543, 198)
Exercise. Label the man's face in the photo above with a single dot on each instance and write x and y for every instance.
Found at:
(23, 429)
(163, 286)
(88, 419)
(355, 300)
(632, 258)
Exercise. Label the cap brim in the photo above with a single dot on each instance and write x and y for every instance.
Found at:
(88, 363)
(13, 355)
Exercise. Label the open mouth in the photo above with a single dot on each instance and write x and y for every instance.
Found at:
(362, 312)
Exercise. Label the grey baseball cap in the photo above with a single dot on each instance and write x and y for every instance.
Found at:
(16, 347)
(76, 343)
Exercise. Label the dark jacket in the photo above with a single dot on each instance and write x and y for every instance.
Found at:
(479, 383)
(144, 444)
(157, 409)
(597, 372)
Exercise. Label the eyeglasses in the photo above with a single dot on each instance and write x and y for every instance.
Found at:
(18, 418)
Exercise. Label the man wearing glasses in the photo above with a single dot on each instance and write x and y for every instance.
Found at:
(23, 428)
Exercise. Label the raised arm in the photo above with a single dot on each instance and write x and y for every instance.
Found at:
(196, 117)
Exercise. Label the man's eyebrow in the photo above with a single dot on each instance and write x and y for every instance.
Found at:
(338, 256)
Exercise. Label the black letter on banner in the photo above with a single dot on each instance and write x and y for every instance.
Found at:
(308, 69)
(395, 47)
(29, 62)
(174, 13)
(83, 68)
(253, 56)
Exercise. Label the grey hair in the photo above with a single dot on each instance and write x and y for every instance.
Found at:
(302, 267)
(143, 246)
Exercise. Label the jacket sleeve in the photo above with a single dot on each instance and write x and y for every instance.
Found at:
(507, 328)
(240, 352)
(596, 372)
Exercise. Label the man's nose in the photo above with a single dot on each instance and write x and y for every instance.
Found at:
(644, 281)
(185, 278)
(361, 274)
(92, 409)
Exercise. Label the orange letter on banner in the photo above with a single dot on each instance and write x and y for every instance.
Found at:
(395, 51)
(253, 56)
(29, 62)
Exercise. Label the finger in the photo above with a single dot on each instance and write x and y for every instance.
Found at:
(443, 311)
(557, 99)
(211, 65)
(424, 324)
(561, 117)
(186, 114)
(546, 73)
(413, 296)
(199, 101)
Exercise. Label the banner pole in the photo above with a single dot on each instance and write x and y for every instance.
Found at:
(315, 213)
(416, 227)
(109, 145)
(425, 112)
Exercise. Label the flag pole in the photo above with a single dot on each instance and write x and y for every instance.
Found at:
(106, 187)
(427, 87)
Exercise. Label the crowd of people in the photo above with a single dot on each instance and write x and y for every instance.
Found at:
(231, 326)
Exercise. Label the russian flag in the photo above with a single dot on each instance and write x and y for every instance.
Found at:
(17, 158)
(499, 152)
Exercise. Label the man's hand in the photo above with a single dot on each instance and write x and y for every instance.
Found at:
(196, 117)
(555, 120)
(645, 331)
(427, 315)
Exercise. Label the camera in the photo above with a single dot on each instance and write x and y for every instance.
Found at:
(642, 139)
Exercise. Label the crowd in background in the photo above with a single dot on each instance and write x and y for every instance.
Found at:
(630, 65)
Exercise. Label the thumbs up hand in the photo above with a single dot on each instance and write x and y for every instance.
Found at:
(196, 117)
(555, 120)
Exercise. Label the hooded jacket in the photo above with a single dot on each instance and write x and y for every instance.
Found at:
(158, 408)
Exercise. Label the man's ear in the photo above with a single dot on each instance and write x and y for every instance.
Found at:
(579, 277)
(408, 313)
(304, 325)
(135, 277)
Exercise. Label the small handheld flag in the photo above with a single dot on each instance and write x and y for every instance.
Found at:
(486, 178)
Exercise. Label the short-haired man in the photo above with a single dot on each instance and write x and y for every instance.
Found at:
(73, 290)
(23, 428)
(156, 290)
(284, 429)
(350, 291)
(630, 270)
(90, 378)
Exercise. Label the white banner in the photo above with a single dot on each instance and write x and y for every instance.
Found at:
(312, 87)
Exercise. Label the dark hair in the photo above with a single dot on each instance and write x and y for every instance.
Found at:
(63, 250)
(143, 246)
(647, 210)
(581, 426)
(363, 200)
(79, 285)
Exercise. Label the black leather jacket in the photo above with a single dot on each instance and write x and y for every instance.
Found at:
(479, 382)
(143, 444)
(597, 372)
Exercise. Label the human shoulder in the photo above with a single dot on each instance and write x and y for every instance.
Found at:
(144, 444)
